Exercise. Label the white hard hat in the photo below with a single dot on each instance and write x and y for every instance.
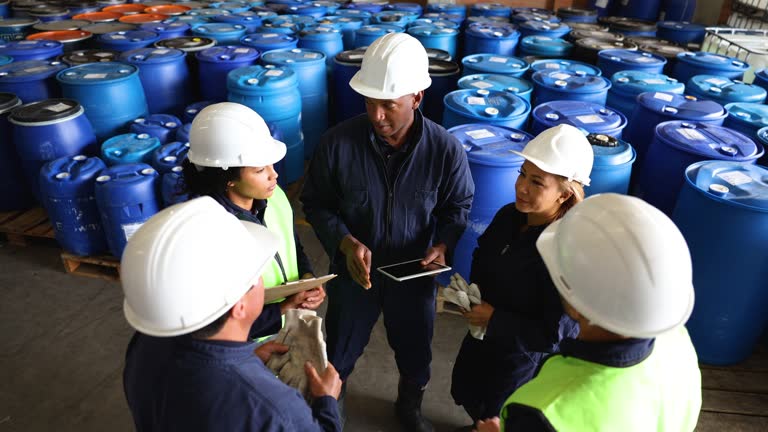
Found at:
(562, 150)
(394, 65)
(622, 264)
(188, 265)
(228, 134)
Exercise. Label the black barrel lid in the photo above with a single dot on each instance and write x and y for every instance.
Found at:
(571, 11)
(45, 110)
(27, 4)
(85, 4)
(587, 26)
(434, 53)
(48, 11)
(575, 35)
(187, 43)
(666, 51)
(19, 22)
(89, 56)
(644, 40)
(354, 56)
(601, 44)
(61, 25)
(8, 101)
(100, 28)
(602, 140)
(442, 67)
(632, 25)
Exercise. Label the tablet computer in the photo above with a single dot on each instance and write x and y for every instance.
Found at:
(411, 269)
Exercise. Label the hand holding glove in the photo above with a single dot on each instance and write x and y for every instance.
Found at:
(465, 295)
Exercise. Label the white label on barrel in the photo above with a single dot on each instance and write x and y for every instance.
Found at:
(551, 66)
(484, 30)
(103, 54)
(498, 59)
(130, 229)
(36, 69)
(588, 119)
(560, 76)
(161, 51)
(654, 81)
(481, 84)
(269, 35)
(644, 59)
(355, 56)
(311, 55)
(274, 72)
(735, 178)
(117, 36)
(716, 81)
(59, 107)
(94, 76)
(664, 96)
(242, 50)
(475, 100)
(692, 134)
(480, 134)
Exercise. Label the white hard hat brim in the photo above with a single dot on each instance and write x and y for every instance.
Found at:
(548, 168)
(370, 92)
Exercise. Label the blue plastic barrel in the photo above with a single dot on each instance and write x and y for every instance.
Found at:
(310, 68)
(683, 33)
(490, 9)
(677, 144)
(506, 83)
(447, 8)
(398, 18)
(161, 126)
(264, 42)
(728, 249)
(47, 130)
(170, 155)
(347, 25)
(192, 110)
(127, 40)
(273, 92)
(494, 20)
(560, 85)
(493, 38)
(290, 24)
(498, 108)
(545, 46)
(129, 148)
(5, 10)
(32, 49)
(444, 74)
(612, 165)
(16, 195)
(570, 66)
(370, 7)
(207, 12)
(365, 35)
(174, 188)
(191, 20)
(233, 7)
(677, 10)
(614, 60)
(495, 64)
(492, 164)
(182, 133)
(690, 64)
(223, 33)
(127, 196)
(626, 85)
(164, 76)
(540, 28)
(347, 102)
(724, 91)
(167, 30)
(589, 116)
(641, 9)
(97, 86)
(441, 38)
(633, 27)
(355, 13)
(577, 15)
(216, 62)
(68, 196)
(414, 8)
(330, 6)
(16, 28)
(746, 118)
(31, 80)
(249, 19)
(327, 40)
(434, 22)
(546, 17)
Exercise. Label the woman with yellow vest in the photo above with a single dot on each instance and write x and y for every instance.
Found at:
(230, 159)
(623, 271)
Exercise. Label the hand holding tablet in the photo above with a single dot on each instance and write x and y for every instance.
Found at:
(412, 269)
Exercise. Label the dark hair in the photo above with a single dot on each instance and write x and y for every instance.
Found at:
(206, 180)
(577, 195)
(212, 328)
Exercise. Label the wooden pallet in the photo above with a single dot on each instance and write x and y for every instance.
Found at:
(444, 305)
(102, 267)
(20, 227)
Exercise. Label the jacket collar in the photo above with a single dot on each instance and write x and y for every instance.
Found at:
(623, 353)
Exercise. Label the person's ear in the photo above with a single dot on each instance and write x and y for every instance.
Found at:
(565, 195)
(417, 98)
(240, 310)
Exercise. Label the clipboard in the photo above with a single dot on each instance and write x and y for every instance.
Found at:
(290, 288)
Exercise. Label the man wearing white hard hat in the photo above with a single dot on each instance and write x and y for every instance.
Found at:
(623, 271)
(385, 187)
(193, 289)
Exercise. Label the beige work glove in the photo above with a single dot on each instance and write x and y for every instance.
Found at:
(464, 295)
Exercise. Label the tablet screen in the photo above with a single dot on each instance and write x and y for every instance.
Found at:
(410, 269)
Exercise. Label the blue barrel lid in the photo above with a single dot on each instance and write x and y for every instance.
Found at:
(545, 26)
(681, 26)
(228, 54)
(681, 107)
(344, 22)
(434, 22)
(30, 70)
(293, 56)
(495, 82)
(119, 146)
(565, 65)
(535, 16)
(320, 33)
(307, 9)
(70, 175)
(589, 116)
(46, 111)
(330, 24)
(330, 6)
(166, 121)
(32, 47)
(433, 31)
(487, 104)
(489, 30)
(547, 43)
(300, 20)
(166, 27)
(279, 40)
(491, 145)
(170, 155)
(449, 8)
(634, 82)
(713, 61)
(18, 23)
(219, 29)
(152, 55)
(493, 63)
(753, 114)
(139, 177)
(456, 18)
(234, 7)
(610, 151)
(129, 37)
(404, 6)
(192, 20)
(496, 8)
(400, 18)
(379, 29)
(731, 183)
(365, 15)
(97, 73)
(721, 89)
(708, 140)
(352, 57)
(207, 12)
(373, 6)
(632, 58)
(191, 110)
(571, 82)
(263, 79)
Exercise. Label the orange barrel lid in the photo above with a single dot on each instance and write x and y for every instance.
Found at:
(142, 18)
(98, 16)
(61, 35)
(169, 9)
(125, 9)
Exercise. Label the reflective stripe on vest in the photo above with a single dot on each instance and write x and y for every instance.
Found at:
(661, 393)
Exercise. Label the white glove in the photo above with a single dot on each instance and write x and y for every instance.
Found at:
(303, 335)
(458, 289)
